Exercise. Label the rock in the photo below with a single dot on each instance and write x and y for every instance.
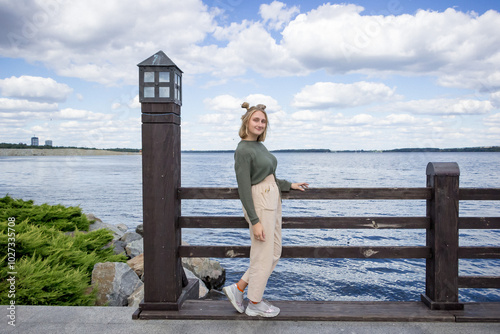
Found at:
(130, 236)
(119, 247)
(215, 295)
(208, 270)
(92, 217)
(203, 291)
(135, 248)
(115, 282)
(122, 227)
(136, 297)
(98, 224)
(137, 264)
(140, 229)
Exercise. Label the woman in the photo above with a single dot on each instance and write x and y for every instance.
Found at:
(260, 194)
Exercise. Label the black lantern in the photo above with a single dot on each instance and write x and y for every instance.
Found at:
(160, 80)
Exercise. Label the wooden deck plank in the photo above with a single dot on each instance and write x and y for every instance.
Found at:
(311, 311)
(479, 312)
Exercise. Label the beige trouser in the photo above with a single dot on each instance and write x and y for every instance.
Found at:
(264, 255)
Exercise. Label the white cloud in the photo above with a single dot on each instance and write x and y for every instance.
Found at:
(495, 99)
(218, 119)
(255, 48)
(223, 103)
(81, 115)
(103, 41)
(25, 105)
(339, 95)
(308, 115)
(35, 88)
(403, 119)
(493, 120)
(360, 119)
(451, 45)
(440, 107)
(134, 103)
(276, 15)
(227, 109)
(271, 104)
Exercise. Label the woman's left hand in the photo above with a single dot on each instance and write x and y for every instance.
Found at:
(302, 186)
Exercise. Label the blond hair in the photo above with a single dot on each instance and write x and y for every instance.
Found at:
(246, 118)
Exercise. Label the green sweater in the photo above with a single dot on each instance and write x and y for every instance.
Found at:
(252, 164)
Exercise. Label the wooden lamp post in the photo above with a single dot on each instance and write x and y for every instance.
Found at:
(160, 94)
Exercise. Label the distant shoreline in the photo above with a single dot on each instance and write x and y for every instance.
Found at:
(398, 150)
(19, 152)
(28, 152)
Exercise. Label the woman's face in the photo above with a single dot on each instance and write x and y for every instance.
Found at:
(256, 125)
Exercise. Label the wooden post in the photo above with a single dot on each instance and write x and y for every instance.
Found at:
(161, 179)
(441, 291)
(160, 97)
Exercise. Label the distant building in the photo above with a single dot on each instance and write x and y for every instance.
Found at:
(48, 143)
(34, 141)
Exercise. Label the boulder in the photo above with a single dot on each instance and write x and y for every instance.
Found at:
(91, 217)
(140, 229)
(134, 248)
(208, 270)
(119, 247)
(122, 227)
(128, 237)
(137, 264)
(98, 224)
(203, 291)
(115, 282)
(136, 297)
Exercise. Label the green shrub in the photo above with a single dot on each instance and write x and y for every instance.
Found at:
(41, 282)
(52, 267)
(61, 217)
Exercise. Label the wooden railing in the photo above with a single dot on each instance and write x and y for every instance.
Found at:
(441, 222)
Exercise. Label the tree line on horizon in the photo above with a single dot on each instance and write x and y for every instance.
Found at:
(25, 146)
(423, 149)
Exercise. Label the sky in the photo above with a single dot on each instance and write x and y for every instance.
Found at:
(359, 75)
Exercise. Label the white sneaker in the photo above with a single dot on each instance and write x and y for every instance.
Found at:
(263, 309)
(235, 296)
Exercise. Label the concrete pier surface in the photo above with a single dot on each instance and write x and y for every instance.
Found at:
(110, 320)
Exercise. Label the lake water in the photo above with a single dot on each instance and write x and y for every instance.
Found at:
(110, 187)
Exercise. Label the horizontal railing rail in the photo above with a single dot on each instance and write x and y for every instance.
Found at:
(315, 193)
(351, 252)
(312, 222)
(479, 194)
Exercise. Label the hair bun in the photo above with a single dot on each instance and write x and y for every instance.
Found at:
(261, 107)
(245, 105)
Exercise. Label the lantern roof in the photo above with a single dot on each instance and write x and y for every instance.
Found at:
(158, 59)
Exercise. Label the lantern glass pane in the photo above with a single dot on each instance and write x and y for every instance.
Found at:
(177, 79)
(149, 76)
(164, 76)
(165, 92)
(177, 93)
(149, 92)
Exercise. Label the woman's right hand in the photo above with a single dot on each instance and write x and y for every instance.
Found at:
(258, 232)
